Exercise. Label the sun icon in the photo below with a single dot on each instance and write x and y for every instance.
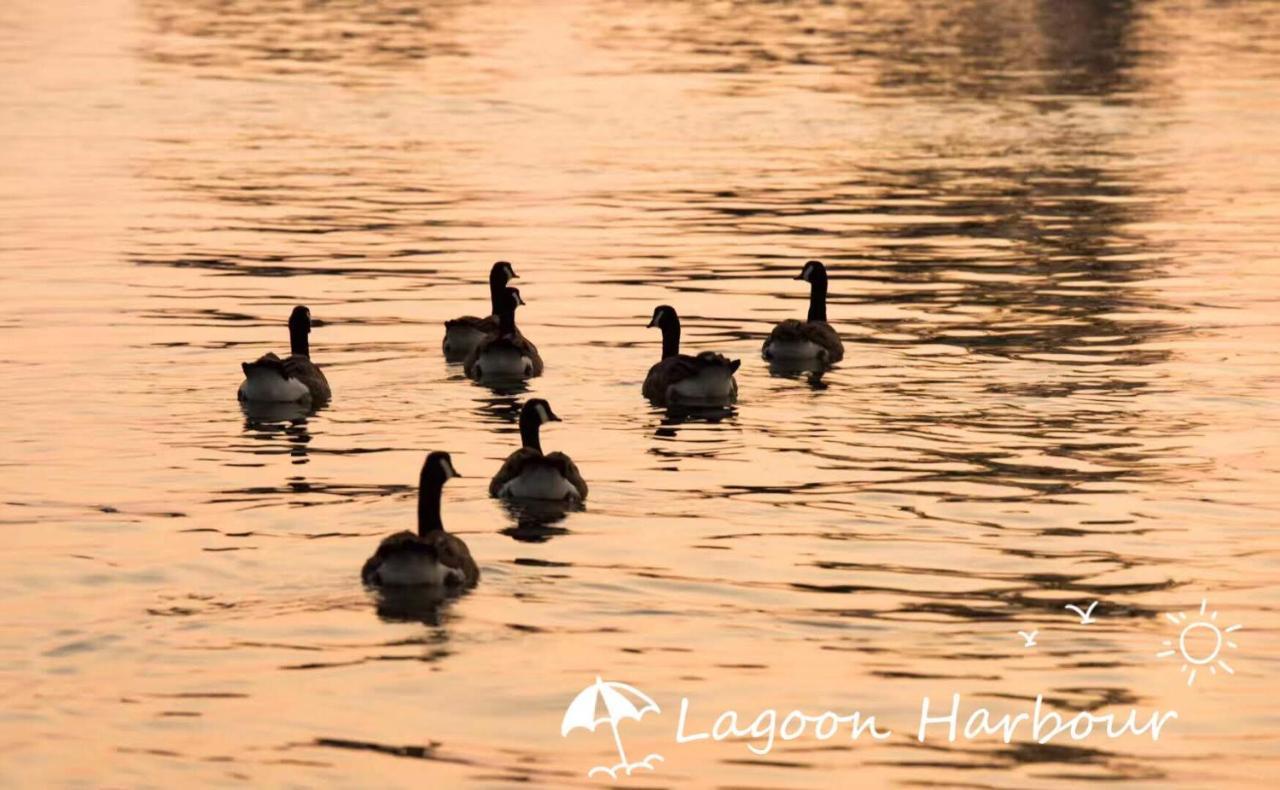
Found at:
(1200, 642)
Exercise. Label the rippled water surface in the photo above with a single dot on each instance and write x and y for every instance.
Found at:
(1053, 231)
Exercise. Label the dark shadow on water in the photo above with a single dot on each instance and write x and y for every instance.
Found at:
(503, 386)
(258, 414)
(426, 605)
(675, 416)
(810, 371)
(271, 422)
(535, 520)
(499, 408)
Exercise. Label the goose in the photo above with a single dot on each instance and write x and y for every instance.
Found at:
(430, 557)
(295, 378)
(528, 474)
(706, 379)
(506, 353)
(461, 335)
(812, 339)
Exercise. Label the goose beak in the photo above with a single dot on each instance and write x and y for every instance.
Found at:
(652, 323)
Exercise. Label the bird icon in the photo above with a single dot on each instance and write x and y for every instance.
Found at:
(1085, 614)
(1030, 637)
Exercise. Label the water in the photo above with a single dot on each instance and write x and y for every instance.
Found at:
(1052, 231)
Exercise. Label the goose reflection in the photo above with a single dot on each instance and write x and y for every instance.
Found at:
(503, 408)
(425, 605)
(811, 371)
(290, 422)
(504, 388)
(675, 416)
(535, 520)
(259, 414)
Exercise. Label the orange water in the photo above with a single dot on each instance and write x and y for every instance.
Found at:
(1054, 236)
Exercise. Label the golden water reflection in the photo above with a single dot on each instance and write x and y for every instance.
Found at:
(1051, 229)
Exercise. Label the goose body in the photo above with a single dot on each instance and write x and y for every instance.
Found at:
(462, 335)
(505, 354)
(813, 339)
(294, 378)
(528, 473)
(405, 559)
(680, 379)
(430, 557)
(504, 358)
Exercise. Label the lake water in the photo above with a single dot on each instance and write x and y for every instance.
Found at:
(1053, 230)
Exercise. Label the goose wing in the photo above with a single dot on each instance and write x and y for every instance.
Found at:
(400, 543)
(267, 361)
(308, 372)
(788, 331)
(486, 325)
(710, 359)
(667, 372)
(512, 468)
(494, 342)
(453, 553)
(569, 470)
(819, 333)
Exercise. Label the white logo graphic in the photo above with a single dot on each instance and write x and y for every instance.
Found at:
(1029, 637)
(1086, 615)
(618, 705)
(1200, 642)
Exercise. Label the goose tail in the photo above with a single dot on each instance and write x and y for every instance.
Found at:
(268, 380)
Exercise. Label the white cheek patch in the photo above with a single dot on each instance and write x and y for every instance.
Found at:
(542, 413)
(449, 471)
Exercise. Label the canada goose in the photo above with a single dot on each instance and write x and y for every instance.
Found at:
(528, 474)
(706, 379)
(431, 557)
(812, 339)
(295, 378)
(506, 353)
(461, 335)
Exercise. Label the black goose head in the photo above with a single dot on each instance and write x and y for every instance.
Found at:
(299, 329)
(535, 412)
(664, 315)
(501, 273)
(539, 411)
(666, 318)
(439, 467)
(815, 274)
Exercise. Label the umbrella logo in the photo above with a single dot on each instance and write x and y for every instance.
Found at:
(619, 701)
